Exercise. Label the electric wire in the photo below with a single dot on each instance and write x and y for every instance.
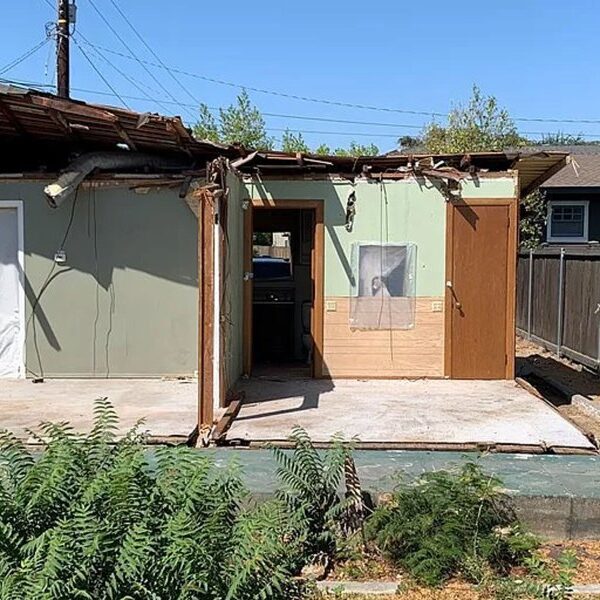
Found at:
(132, 55)
(50, 277)
(99, 73)
(426, 113)
(135, 83)
(156, 56)
(17, 61)
(290, 116)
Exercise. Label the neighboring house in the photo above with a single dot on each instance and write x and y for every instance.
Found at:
(573, 199)
(139, 262)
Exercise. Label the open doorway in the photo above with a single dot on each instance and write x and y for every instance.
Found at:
(283, 298)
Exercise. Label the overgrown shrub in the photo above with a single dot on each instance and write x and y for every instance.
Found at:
(449, 523)
(91, 518)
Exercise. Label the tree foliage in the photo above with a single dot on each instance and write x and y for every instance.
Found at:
(479, 126)
(293, 142)
(533, 219)
(240, 122)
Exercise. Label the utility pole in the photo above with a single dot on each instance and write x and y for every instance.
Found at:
(62, 50)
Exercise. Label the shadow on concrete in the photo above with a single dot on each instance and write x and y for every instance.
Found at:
(262, 390)
(559, 375)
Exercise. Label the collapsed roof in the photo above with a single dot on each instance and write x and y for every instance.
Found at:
(533, 167)
(40, 132)
(44, 130)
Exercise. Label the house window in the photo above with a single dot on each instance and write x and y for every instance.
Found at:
(382, 294)
(568, 221)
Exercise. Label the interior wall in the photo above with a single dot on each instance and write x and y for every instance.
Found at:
(393, 211)
(124, 303)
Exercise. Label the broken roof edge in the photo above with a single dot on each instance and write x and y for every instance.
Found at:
(64, 126)
(533, 168)
(32, 115)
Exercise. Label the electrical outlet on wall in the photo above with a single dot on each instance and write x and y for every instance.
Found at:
(437, 306)
(331, 306)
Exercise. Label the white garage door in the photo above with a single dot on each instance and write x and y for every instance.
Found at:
(11, 291)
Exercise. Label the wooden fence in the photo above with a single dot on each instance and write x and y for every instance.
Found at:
(558, 301)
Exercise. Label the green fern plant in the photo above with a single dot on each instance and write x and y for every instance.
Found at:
(311, 490)
(93, 518)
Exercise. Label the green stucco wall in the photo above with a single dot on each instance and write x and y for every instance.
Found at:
(125, 302)
(395, 211)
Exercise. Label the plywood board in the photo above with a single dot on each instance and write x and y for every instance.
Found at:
(416, 352)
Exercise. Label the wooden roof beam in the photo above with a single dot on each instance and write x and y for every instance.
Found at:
(124, 135)
(11, 118)
(544, 176)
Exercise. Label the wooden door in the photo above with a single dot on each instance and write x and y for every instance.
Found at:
(480, 290)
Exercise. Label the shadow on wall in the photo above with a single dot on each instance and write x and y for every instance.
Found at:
(117, 228)
(103, 231)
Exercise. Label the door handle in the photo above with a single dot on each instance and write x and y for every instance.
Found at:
(450, 286)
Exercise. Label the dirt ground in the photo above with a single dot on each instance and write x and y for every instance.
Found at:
(587, 572)
(563, 370)
(566, 373)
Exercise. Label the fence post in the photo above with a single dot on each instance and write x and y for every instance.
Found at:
(559, 320)
(530, 293)
(598, 340)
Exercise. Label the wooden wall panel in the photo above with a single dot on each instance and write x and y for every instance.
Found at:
(417, 352)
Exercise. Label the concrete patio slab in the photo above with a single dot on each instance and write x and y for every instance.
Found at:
(169, 407)
(444, 412)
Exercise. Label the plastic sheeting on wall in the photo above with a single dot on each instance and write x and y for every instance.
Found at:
(10, 318)
(383, 286)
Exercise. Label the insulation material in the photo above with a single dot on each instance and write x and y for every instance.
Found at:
(10, 317)
(383, 286)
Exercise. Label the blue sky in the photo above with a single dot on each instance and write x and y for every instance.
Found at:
(538, 57)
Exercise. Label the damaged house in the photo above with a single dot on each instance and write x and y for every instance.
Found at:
(130, 249)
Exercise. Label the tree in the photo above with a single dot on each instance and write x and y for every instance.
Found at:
(480, 126)
(243, 123)
(353, 150)
(293, 142)
(323, 150)
(240, 122)
(410, 142)
(562, 139)
(357, 150)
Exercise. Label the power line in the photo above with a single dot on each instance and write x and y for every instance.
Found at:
(17, 61)
(131, 80)
(281, 115)
(99, 73)
(151, 50)
(132, 55)
(426, 113)
(347, 133)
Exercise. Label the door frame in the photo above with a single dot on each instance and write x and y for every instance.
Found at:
(511, 278)
(18, 205)
(317, 275)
